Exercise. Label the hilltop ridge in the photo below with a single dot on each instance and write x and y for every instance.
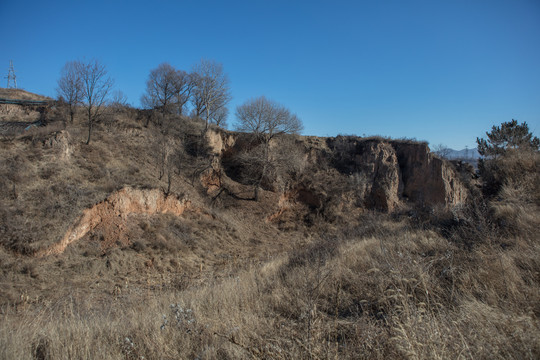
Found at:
(20, 94)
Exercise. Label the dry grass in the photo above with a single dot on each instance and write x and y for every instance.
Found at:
(20, 94)
(406, 293)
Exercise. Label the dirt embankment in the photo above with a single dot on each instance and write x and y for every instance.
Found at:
(372, 173)
(110, 216)
(359, 174)
(427, 179)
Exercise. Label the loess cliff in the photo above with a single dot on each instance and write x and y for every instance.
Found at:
(367, 173)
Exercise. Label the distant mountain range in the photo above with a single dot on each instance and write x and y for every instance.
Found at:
(465, 154)
(470, 156)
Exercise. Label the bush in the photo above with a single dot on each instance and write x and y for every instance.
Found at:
(510, 154)
(520, 167)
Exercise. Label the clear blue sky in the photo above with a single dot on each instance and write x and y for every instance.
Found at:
(441, 71)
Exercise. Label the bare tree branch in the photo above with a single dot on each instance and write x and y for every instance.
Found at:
(211, 91)
(96, 86)
(70, 86)
(266, 120)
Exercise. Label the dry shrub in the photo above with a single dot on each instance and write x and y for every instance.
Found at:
(516, 209)
(519, 167)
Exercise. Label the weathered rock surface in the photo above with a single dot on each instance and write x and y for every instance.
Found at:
(398, 171)
(219, 141)
(373, 173)
(427, 179)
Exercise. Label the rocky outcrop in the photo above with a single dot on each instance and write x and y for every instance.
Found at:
(378, 162)
(219, 141)
(110, 216)
(373, 173)
(397, 172)
(59, 140)
(427, 179)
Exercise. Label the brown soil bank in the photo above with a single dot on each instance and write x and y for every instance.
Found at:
(110, 216)
(371, 173)
(396, 171)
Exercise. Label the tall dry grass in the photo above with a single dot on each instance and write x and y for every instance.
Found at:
(389, 292)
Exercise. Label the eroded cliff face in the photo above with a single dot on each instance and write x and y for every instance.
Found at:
(377, 162)
(398, 172)
(219, 141)
(427, 179)
(342, 175)
(367, 173)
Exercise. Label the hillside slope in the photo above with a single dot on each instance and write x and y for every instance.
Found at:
(20, 94)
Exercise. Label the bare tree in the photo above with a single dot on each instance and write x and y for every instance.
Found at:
(265, 120)
(168, 151)
(167, 89)
(219, 117)
(185, 85)
(160, 88)
(70, 86)
(211, 92)
(96, 85)
(119, 101)
(442, 150)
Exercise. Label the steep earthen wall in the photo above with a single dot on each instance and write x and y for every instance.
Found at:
(428, 180)
(396, 172)
(392, 171)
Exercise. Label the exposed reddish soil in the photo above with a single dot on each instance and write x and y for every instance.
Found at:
(110, 215)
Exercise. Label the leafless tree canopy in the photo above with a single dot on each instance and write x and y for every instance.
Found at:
(70, 86)
(119, 98)
(96, 86)
(167, 89)
(219, 117)
(441, 150)
(211, 92)
(266, 119)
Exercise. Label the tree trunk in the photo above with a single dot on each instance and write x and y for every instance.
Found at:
(89, 125)
(169, 181)
(147, 120)
(71, 113)
(207, 119)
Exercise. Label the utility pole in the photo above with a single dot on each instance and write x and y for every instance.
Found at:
(11, 77)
